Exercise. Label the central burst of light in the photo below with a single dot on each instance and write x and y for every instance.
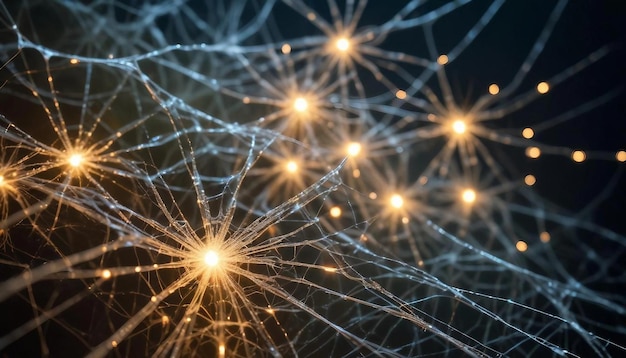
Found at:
(2, 182)
(353, 149)
(342, 44)
(459, 126)
(75, 160)
(396, 201)
(468, 196)
(291, 166)
(300, 104)
(211, 259)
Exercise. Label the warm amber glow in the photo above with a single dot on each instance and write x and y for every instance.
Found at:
(222, 350)
(544, 237)
(459, 126)
(521, 246)
(533, 152)
(106, 274)
(543, 87)
(468, 196)
(335, 211)
(74, 61)
(396, 201)
(530, 180)
(286, 49)
(330, 269)
(528, 133)
(291, 166)
(2, 182)
(75, 160)
(442, 60)
(353, 149)
(342, 44)
(578, 156)
(620, 156)
(400, 94)
(211, 258)
(300, 104)
(494, 89)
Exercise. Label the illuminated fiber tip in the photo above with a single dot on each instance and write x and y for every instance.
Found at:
(521, 246)
(533, 152)
(335, 212)
(286, 49)
(530, 180)
(442, 60)
(222, 350)
(468, 196)
(291, 166)
(353, 149)
(342, 44)
(211, 258)
(528, 133)
(400, 94)
(543, 87)
(544, 237)
(74, 61)
(2, 182)
(396, 201)
(621, 156)
(459, 126)
(579, 156)
(494, 89)
(300, 104)
(106, 274)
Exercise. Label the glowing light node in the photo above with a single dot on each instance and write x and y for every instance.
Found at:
(75, 160)
(342, 44)
(335, 211)
(222, 350)
(300, 104)
(521, 246)
(400, 94)
(494, 89)
(530, 180)
(106, 274)
(291, 166)
(533, 152)
(621, 156)
(468, 196)
(353, 149)
(286, 49)
(528, 133)
(459, 126)
(74, 61)
(396, 201)
(579, 156)
(211, 258)
(544, 237)
(543, 87)
(442, 60)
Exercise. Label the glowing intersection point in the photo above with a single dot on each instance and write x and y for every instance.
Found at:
(353, 149)
(468, 196)
(459, 126)
(342, 44)
(75, 160)
(291, 166)
(300, 104)
(396, 201)
(211, 259)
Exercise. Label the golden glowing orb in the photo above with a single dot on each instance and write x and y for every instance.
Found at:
(494, 89)
(75, 160)
(533, 152)
(353, 149)
(300, 104)
(342, 44)
(211, 258)
(543, 87)
(528, 133)
(291, 166)
(521, 246)
(396, 201)
(579, 156)
(459, 126)
(468, 196)
(335, 211)
(2, 181)
(442, 60)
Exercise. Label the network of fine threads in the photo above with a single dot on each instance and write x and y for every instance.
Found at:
(309, 178)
